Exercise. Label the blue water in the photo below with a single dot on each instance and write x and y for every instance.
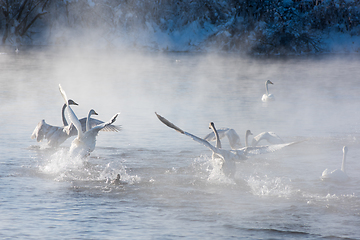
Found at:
(174, 189)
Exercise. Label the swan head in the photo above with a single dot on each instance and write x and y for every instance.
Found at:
(345, 149)
(92, 112)
(268, 82)
(211, 125)
(71, 102)
(248, 132)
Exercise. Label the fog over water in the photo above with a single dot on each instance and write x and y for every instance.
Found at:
(173, 188)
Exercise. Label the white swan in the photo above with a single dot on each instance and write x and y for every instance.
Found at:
(92, 121)
(225, 154)
(234, 139)
(228, 166)
(338, 175)
(55, 135)
(85, 142)
(267, 96)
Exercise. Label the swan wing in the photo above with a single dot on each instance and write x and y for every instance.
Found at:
(221, 131)
(267, 149)
(233, 137)
(54, 135)
(73, 118)
(103, 125)
(193, 137)
(271, 137)
(94, 122)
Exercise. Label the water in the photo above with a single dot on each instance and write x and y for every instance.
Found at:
(174, 189)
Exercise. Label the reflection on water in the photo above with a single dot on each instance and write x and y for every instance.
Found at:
(174, 187)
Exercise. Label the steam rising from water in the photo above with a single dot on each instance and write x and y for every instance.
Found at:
(316, 99)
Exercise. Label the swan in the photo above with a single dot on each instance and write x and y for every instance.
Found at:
(92, 121)
(229, 157)
(224, 154)
(85, 142)
(55, 135)
(234, 139)
(338, 175)
(267, 96)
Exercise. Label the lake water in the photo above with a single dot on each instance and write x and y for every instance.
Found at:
(174, 189)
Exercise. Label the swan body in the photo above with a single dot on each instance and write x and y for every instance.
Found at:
(338, 175)
(85, 142)
(55, 135)
(267, 97)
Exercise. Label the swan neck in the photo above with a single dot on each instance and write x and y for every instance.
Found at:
(63, 116)
(247, 139)
(218, 143)
(343, 162)
(267, 88)
(88, 122)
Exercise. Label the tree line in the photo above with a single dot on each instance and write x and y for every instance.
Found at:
(261, 26)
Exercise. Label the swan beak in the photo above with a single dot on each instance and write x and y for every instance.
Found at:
(271, 82)
(95, 113)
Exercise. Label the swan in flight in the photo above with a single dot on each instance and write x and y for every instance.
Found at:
(338, 175)
(267, 97)
(225, 154)
(55, 135)
(234, 139)
(234, 154)
(85, 142)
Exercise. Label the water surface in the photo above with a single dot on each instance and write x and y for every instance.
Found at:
(174, 189)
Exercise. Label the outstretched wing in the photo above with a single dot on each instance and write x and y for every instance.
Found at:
(94, 122)
(267, 149)
(193, 137)
(54, 135)
(271, 137)
(94, 131)
(233, 137)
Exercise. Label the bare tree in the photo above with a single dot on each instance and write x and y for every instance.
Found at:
(19, 16)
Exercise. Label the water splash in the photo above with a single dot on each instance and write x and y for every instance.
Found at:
(210, 170)
(270, 186)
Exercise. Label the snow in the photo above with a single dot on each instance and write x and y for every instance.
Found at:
(195, 26)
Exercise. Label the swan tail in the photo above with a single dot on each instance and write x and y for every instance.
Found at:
(169, 124)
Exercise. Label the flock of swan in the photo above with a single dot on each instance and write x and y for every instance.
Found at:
(86, 130)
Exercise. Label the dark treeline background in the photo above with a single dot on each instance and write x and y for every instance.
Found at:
(260, 26)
